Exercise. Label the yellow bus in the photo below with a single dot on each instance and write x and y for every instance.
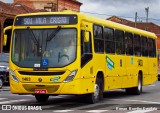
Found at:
(69, 53)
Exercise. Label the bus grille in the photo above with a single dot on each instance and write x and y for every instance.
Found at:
(41, 73)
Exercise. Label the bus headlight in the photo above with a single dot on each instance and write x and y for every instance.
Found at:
(14, 77)
(71, 76)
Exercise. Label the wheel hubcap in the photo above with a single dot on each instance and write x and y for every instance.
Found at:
(139, 85)
(1, 83)
(96, 91)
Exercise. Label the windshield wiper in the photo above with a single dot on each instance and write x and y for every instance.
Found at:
(36, 42)
(52, 35)
(34, 37)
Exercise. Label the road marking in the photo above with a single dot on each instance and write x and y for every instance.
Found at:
(140, 111)
(152, 85)
(96, 111)
(61, 111)
(5, 89)
(50, 106)
(13, 101)
(2, 98)
(17, 95)
(145, 101)
(140, 101)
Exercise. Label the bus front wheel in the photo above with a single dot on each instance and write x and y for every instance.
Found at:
(97, 95)
(41, 97)
(1, 83)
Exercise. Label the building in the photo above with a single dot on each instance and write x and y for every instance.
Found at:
(52, 5)
(7, 14)
(119, 20)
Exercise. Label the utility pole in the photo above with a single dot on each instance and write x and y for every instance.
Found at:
(136, 20)
(57, 6)
(147, 11)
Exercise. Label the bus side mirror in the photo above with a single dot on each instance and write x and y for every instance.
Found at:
(4, 40)
(5, 35)
(86, 36)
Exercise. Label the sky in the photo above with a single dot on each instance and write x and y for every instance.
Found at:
(122, 8)
(7, 1)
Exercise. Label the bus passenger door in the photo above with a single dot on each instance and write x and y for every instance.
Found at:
(86, 61)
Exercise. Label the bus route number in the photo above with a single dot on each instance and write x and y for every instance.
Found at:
(26, 79)
(27, 21)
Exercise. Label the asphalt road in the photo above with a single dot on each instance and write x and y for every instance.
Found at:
(114, 102)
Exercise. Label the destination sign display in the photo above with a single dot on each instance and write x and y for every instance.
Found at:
(46, 20)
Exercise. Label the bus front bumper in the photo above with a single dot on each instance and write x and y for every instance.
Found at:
(78, 86)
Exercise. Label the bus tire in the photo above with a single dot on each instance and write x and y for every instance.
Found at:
(98, 92)
(1, 83)
(41, 97)
(136, 90)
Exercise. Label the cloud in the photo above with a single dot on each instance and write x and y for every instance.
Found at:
(7, 1)
(123, 8)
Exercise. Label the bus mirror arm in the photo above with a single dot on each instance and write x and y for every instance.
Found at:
(5, 35)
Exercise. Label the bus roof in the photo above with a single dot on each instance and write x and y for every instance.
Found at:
(118, 26)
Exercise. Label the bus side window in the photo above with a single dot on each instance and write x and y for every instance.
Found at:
(144, 46)
(129, 43)
(152, 47)
(98, 39)
(109, 40)
(86, 49)
(120, 45)
(137, 45)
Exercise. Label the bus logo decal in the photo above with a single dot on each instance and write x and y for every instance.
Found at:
(110, 63)
(40, 79)
(55, 79)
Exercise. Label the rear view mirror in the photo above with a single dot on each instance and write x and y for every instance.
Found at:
(86, 36)
(5, 35)
(4, 40)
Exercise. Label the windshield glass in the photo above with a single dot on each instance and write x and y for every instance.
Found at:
(4, 57)
(44, 47)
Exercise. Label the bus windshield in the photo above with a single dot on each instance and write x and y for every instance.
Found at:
(57, 47)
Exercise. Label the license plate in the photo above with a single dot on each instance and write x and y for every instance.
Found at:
(40, 91)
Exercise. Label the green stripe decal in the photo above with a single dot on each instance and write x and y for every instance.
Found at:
(110, 63)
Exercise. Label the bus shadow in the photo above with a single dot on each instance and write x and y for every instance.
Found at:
(116, 94)
(71, 101)
(119, 94)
